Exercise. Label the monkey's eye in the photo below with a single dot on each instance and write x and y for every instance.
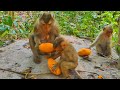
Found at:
(64, 45)
(49, 23)
(43, 23)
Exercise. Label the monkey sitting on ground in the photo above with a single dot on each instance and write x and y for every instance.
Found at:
(37, 41)
(45, 31)
(68, 56)
(103, 41)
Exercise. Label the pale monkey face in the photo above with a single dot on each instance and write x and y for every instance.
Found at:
(47, 21)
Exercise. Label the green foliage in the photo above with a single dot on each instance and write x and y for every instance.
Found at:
(17, 28)
(87, 23)
(77, 23)
(1, 43)
(117, 48)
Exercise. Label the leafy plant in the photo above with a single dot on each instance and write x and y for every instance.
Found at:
(77, 23)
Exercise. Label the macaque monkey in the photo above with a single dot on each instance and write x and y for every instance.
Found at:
(103, 41)
(45, 30)
(37, 41)
(68, 56)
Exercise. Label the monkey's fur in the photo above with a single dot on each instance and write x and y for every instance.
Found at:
(45, 30)
(103, 41)
(68, 56)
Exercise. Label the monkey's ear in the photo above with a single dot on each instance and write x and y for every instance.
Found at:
(63, 44)
(52, 15)
(40, 15)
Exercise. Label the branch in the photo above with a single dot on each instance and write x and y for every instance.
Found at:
(22, 73)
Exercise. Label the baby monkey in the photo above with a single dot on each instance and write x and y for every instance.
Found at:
(68, 56)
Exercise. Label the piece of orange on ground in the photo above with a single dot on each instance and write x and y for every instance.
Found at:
(46, 47)
(51, 63)
(84, 52)
(100, 76)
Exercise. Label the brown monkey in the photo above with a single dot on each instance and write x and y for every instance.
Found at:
(45, 30)
(103, 41)
(68, 56)
(37, 41)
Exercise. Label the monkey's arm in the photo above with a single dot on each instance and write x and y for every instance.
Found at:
(37, 41)
(57, 65)
(55, 55)
(95, 41)
(32, 45)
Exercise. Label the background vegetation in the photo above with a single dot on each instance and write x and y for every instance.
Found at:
(19, 24)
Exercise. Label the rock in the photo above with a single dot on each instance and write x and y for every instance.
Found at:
(18, 58)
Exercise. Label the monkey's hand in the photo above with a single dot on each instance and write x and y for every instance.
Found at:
(55, 67)
(48, 56)
(36, 46)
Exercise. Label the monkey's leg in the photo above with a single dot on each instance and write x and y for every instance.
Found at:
(66, 66)
(34, 50)
(37, 45)
(99, 50)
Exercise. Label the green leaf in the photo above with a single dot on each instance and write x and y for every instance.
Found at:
(21, 31)
(10, 22)
(15, 23)
(4, 34)
(7, 20)
(1, 43)
(3, 27)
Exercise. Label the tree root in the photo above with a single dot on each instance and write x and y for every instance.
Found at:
(27, 73)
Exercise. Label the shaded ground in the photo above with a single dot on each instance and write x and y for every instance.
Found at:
(18, 58)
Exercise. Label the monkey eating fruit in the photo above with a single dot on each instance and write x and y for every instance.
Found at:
(45, 31)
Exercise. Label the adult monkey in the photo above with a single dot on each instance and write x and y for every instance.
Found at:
(45, 30)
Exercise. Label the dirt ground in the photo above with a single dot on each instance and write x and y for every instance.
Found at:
(18, 58)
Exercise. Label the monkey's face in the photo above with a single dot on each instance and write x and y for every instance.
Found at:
(46, 21)
(57, 43)
(63, 44)
(108, 30)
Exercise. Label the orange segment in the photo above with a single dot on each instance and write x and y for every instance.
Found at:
(51, 63)
(84, 52)
(46, 47)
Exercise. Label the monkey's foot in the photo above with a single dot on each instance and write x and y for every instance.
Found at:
(37, 60)
(87, 58)
(100, 54)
